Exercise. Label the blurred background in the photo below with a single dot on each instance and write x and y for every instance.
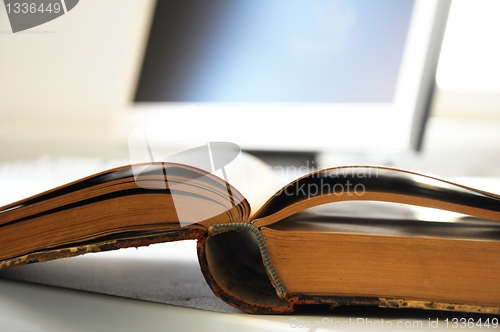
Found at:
(66, 86)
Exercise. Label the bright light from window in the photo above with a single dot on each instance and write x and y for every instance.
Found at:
(470, 58)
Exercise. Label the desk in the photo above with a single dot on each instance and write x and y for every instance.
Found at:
(30, 307)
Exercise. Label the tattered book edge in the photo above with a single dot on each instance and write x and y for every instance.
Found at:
(390, 303)
(186, 233)
(443, 306)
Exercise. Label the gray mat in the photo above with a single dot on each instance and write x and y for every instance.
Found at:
(140, 275)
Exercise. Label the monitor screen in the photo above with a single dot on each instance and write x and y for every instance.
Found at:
(275, 51)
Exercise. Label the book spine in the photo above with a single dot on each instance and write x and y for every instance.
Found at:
(273, 276)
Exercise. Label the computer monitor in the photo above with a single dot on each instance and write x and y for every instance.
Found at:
(322, 75)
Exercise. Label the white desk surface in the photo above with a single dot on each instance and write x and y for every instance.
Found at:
(36, 308)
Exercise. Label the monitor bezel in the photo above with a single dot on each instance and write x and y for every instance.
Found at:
(321, 127)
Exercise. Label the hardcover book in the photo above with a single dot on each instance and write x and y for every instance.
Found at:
(267, 251)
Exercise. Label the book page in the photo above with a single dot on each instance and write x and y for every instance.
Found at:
(24, 178)
(370, 183)
(388, 219)
(253, 178)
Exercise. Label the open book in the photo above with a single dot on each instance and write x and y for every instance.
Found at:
(265, 252)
